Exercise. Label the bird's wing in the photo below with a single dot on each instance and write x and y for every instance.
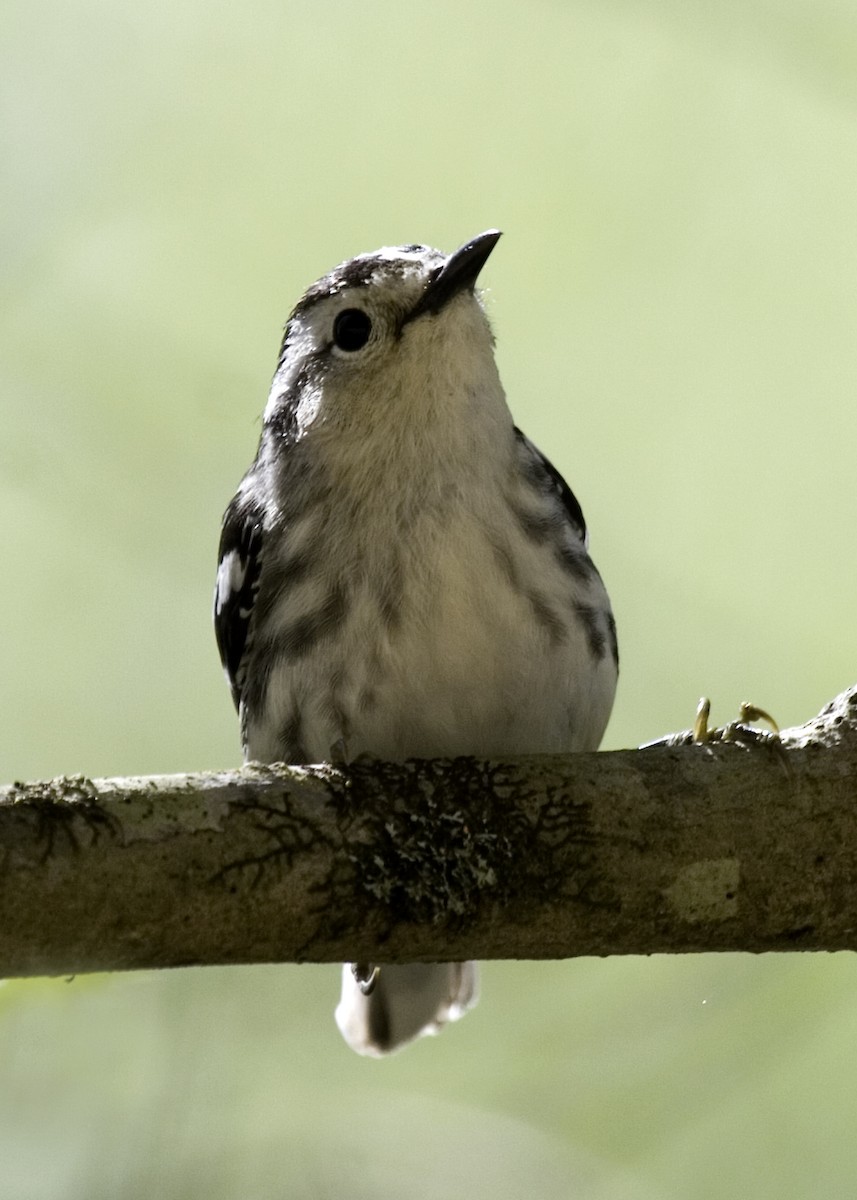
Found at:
(552, 481)
(238, 571)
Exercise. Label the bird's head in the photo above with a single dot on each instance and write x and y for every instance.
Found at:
(396, 338)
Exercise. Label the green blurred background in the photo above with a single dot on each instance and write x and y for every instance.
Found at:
(675, 306)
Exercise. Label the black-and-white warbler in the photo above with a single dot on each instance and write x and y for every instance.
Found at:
(402, 573)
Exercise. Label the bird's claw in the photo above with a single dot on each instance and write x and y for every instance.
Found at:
(738, 732)
(365, 976)
(751, 712)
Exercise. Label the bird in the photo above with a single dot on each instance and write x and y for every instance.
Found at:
(401, 573)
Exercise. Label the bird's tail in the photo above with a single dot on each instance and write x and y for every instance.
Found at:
(404, 1003)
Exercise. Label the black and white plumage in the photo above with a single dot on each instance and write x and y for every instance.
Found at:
(402, 573)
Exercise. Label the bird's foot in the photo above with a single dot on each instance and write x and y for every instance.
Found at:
(339, 753)
(340, 757)
(739, 732)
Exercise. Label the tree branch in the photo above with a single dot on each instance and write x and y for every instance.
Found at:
(671, 848)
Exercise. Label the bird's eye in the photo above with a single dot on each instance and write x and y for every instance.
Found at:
(351, 329)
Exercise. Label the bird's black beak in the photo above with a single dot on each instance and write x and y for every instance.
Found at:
(457, 273)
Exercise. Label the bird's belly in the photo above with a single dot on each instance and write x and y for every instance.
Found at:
(456, 701)
(468, 664)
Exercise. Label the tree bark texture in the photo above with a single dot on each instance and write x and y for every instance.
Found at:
(676, 847)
